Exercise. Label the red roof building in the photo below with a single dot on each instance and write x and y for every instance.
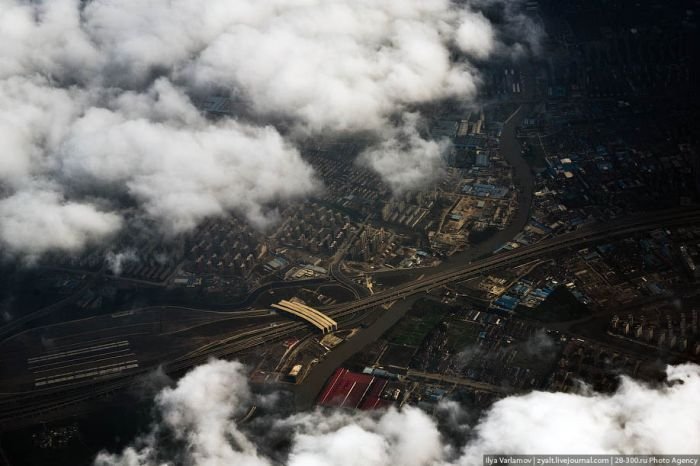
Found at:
(346, 389)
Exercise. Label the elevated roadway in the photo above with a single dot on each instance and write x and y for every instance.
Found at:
(595, 233)
(31, 405)
(309, 314)
(461, 381)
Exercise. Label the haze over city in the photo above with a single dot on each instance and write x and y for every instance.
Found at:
(334, 232)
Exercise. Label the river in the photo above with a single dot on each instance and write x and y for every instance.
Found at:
(307, 391)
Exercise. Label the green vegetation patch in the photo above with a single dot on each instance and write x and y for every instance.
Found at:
(461, 333)
(424, 316)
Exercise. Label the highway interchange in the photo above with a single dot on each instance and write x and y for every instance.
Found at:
(24, 407)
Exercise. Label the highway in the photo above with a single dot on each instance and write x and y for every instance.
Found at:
(33, 404)
(338, 275)
(587, 235)
(19, 324)
(452, 380)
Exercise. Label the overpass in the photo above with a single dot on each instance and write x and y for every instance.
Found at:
(591, 234)
(309, 314)
(22, 407)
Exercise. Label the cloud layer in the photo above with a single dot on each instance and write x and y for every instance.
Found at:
(96, 102)
(199, 414)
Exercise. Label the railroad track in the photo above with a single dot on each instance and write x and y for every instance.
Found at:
(37, 402)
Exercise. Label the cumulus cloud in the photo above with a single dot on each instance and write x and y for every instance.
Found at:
(476, 36)
(183, 174)
(42, 220)
(116, 261)
(96, 100)
(407, 437)
(200, 413)
(637, 419)
(341, 65)
(34, 118)
(405, 159)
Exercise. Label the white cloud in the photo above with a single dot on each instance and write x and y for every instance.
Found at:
(40, 220)
(637, 419)
(404, 159)
(199, 412)
(183, 174)
(408, 437)
(116, 261)
(475, 36)
(46, 38)
(341, 65)
(95, 98)
(34, 117)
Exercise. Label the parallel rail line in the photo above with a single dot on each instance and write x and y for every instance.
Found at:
(37, 402)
